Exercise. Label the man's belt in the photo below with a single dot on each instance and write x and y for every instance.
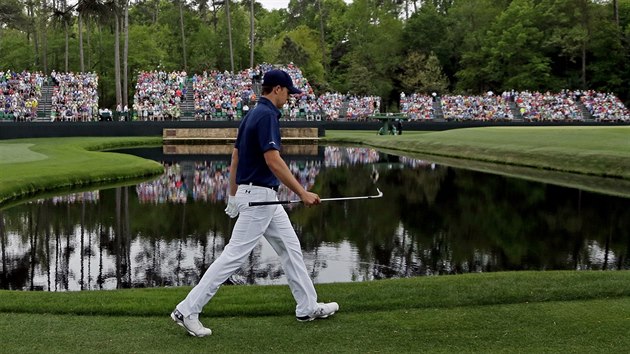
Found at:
(275, 188)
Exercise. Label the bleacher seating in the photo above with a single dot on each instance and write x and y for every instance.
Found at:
(222, 95)
(75, 96)
(488, 107)
(536, 106)
(19, 94)
(158, 95)
(605, 107)
(227, 96)
(418, 107)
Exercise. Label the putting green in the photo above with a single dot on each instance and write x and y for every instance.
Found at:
(13, 153)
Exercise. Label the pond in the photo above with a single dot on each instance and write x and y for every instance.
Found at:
(432, 220)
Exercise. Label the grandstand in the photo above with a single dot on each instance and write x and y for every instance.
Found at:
(225, 96)
(484, 108)
(604, 107)
(74, 97)
(20, 93)
(536, 106)
(564, 106)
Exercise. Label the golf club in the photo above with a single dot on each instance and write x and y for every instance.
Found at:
(272, 202)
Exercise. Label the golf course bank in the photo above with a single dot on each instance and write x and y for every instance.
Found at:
(598, 151)
(34, 166)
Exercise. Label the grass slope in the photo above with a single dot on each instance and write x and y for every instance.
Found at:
(598, 151)
(33, 166)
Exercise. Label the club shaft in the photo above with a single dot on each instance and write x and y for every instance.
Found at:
(273, 202)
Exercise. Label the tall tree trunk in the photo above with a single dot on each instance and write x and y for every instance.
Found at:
(29, 14)
(616, 11)
(251, 33)
(229, 23)
(181, 25)
(65, 24)
(65, 28)
(214, 16)
(89, 47)
(586, 24)
(322, 37)
(157, 12)
(126, 57)
(584, 65)
(117, 58)
(36, 32)
(44, 41)
(81, 59)
(101, 53)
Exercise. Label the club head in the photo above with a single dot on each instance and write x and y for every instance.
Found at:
(380, 194)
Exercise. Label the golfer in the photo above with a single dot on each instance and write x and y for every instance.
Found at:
(255, 174)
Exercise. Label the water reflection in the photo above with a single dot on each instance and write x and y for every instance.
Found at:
(432, 220)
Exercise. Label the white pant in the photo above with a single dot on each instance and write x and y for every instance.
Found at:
(272, 222)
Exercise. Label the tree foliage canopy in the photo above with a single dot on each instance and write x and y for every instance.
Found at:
(375, 47)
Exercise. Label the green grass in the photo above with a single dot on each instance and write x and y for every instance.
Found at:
(36, 167)
(31, 167)
(597, 151)
(531, 312)
(498, 312)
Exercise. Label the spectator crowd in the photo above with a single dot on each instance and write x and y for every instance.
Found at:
(604, 107)
(74, 97)
(417, 106)
(223, 95)
(158, 95)
(19, 94)
(532, 106)
(484, 108)
(161, 95)
(537, 106)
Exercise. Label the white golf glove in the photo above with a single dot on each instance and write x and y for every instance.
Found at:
(232, 207)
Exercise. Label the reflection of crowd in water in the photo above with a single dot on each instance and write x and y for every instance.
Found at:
(210, 180)
(170, 187)
(90, 197)
(305, 173)
(414, 163)
(338, 156)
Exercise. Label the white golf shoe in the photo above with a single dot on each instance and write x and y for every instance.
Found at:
(192, 325)
(324, 310)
